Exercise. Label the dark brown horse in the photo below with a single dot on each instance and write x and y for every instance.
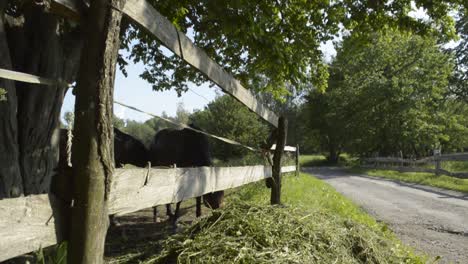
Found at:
(183, 148)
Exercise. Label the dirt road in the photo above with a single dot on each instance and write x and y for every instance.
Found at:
(432, 220)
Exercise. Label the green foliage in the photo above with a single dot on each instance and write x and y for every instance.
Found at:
(3, 94)
(145, 131)
(317, 225)
(270, 44)
(54, 255)
(459, 82)
(455, 166)
(423, 178)
(69, 119)
(228, 118)
(321, 160)
(387, 93)
(141, 131)
(118, 122)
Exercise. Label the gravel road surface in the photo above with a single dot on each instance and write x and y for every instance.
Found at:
(432, 220)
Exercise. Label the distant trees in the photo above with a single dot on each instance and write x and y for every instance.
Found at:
(145, 131)
(228, 118)
(387, 93)
(459, 82)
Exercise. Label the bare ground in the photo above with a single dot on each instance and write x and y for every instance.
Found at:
(432, 220)
(138, 235)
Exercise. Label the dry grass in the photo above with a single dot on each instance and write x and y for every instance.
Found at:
(316, 225)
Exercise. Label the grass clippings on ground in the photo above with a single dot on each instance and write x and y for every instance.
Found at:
(316, 225)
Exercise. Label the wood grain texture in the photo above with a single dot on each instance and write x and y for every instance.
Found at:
(29, 223)
(29, 78)
(136, 189)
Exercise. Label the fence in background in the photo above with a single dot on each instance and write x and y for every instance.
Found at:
(420, 165)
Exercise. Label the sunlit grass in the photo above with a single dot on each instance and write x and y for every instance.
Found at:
(315, 225)
(311, 160)
(423, 178)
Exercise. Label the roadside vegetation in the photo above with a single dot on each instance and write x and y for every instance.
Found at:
(315, 225)
(311, 160)
(423, 178)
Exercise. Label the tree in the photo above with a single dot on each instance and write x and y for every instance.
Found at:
(254, 40)
(386, 95)
(459, 82)
(227, 118)
(182, 115)
(141, 131)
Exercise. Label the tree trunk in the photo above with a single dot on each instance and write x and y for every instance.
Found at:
(92, 153)
(37, 44)
(11, 184)
(39, 106)
(333, 154)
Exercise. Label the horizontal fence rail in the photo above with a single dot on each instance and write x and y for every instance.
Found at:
(144, 14)
(37, 221)
(409, 165)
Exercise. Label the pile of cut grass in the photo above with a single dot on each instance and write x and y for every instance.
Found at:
(316, 225)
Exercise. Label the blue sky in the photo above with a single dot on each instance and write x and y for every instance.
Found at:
(134, 91)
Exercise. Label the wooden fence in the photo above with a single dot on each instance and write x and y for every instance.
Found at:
(37, 221)
(409, 165)
(28, 223)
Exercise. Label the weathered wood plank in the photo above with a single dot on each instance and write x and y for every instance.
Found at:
(136, 189)
(29, 78)
(298, 165)
(143, 14)
(29, 223)
(454, 157)
(444, 157)
(146, 16)
(286, 148)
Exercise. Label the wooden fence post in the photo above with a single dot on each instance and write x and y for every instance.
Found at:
(437, 153)
(92, 155)
(276, 170)
(298, 166)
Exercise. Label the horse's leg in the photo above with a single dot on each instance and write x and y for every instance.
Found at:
(176, 216)
(113, 221)
(155, 214)
(198, 212)
(169, 211)
(176, 212)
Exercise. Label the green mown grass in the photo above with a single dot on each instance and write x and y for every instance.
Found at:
(423, 178)
(455, 166)
(315, 225)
